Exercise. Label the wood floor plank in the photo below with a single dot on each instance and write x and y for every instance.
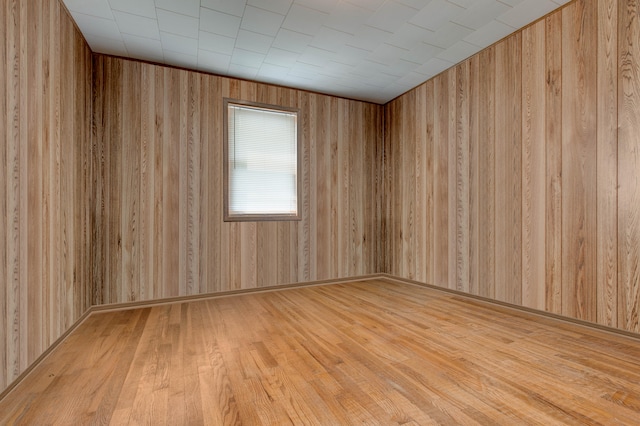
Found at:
(372, 352)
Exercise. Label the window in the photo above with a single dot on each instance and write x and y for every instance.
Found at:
(261, 162)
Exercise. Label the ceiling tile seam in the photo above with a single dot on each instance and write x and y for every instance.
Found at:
(235, 44)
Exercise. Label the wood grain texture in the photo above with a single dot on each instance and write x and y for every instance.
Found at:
(607, 164)
(545, 207)
(533, 165)
(508, 170)
(486, 168)
(463, 177)
(45, 223)
(579, 144)
(442, 215)
(553, 152)
(629, 165)
(370, 352)
(159, 133)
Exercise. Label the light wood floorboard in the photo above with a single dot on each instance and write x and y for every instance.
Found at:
(369, 352)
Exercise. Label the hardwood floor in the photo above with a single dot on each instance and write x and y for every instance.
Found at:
(370, 352)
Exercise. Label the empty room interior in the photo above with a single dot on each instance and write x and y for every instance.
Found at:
(320, 212)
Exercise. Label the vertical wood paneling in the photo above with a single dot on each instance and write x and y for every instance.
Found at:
(513, 175)
(475, 202)
(186, 241)
(428, 161)
(543, 171)
(441, 181)
(607, 164)
(508, 171)
(629, 165)
(147, 177)
(533, 166)
(407, 190)
(486, 139)
(305, 231)
(5, 376)
(45, 92)
(462, 177)
(452, 163)
(553, 152)
(34, 184)
(579, 160)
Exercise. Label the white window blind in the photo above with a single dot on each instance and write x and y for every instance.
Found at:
(262, 161)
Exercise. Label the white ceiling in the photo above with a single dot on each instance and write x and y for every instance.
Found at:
(372, 50)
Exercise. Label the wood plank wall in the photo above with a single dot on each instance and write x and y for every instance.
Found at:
(515, 175)
(160, 229)
(45, 116)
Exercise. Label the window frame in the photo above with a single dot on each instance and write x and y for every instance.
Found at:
(228, 217)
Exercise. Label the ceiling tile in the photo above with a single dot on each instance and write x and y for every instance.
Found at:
(401, 67)
(411, 79)
(180, 59)
(247, 59)
(489, 34)
(521, 14)
(372, 5)
(352, 55)
(458, 52)
(434, 66)
(253, 42)
(292, 41)
(448, 35)
(176, 23)
(184, 7)
(146, 8)
(386, 54)
(276, 72)
(330, 39)
(416, 4)
(107, 46)
(464, 3)
(348, 18)
(422, 53)
(213, 62)
(512, 2)
(384, 71)
(216, 43)
(305, 70)
(98, 27)
(368, 49)
(261, 21)
(315, 56)
(325, 6)
(243, 71)
(481, 13)
(409, 36)
(178, 43)
(143, 48)
(391, 16)
(231, 7)
(277, 6)
(304, 20)
(369, 38)
(301, 82)
(281, 57)
(137, 25)
(99, 8)
(340, 68)
(219, 23)
(436, 14)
